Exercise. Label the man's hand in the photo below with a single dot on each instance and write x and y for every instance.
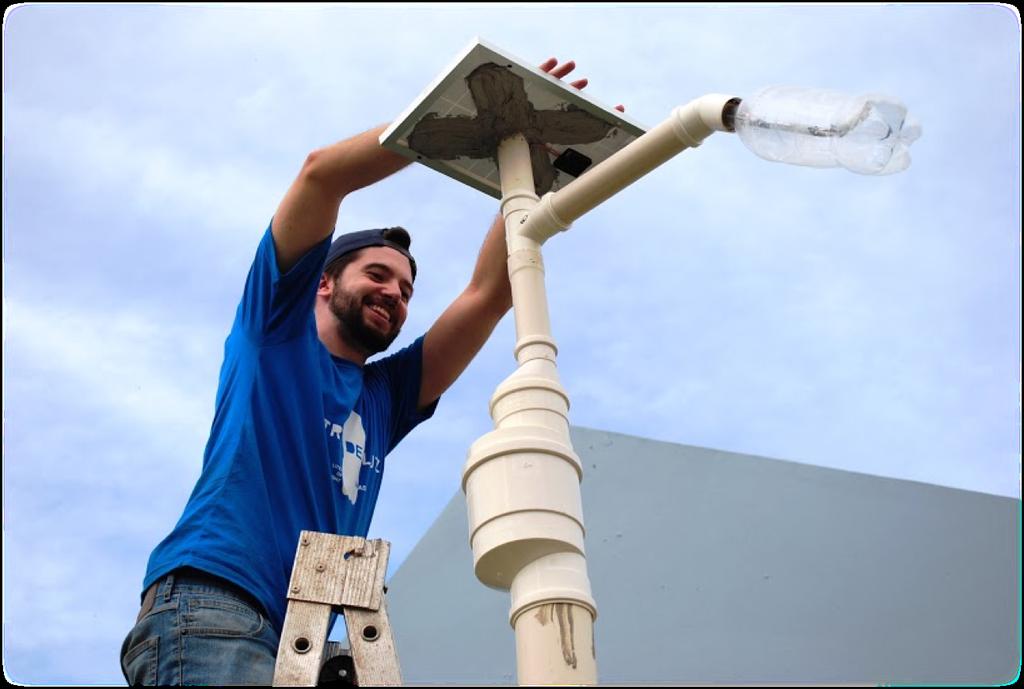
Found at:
(309, 210)
(559, 71)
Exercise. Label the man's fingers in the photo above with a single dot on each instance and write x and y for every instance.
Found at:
(562, 70)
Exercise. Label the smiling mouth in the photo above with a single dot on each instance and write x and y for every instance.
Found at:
(381, 312)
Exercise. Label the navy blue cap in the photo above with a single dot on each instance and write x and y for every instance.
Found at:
(392, 237)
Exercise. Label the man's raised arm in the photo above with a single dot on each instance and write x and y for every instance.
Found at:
(309, 210)
(463, 328)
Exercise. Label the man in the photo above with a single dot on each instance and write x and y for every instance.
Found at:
(302, 423)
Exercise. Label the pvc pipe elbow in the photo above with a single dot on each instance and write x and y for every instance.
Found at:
(699, 118)
(716, 110)
(543, 222)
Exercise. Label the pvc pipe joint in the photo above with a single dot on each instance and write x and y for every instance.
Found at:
(700, 118)
(519, 201)
(555, 578)
(543, 221)
(522, 486)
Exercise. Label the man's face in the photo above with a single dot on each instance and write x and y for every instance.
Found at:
(370, 298)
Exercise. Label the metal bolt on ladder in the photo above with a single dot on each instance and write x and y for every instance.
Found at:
(342, 574)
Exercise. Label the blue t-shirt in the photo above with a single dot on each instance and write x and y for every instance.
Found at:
(298, 440)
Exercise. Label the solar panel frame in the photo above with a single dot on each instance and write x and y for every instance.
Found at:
(448, 95)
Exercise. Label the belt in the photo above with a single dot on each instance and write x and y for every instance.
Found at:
(149, 597)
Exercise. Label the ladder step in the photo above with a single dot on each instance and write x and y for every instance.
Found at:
(341, 574)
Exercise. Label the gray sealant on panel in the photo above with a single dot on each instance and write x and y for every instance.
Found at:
(503, 110)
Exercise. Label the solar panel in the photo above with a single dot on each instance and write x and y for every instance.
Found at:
(455, 124)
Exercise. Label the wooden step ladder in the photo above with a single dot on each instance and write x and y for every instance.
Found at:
(342, 574)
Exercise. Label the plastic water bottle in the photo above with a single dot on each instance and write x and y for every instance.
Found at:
(868, 134)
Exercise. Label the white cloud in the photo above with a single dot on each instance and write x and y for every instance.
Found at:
(105, 420)
(106, 160)
(122, 359)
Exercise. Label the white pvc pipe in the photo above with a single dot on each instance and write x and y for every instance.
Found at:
(554, 638)
(522, 480)
(525, 263)
(686, 127)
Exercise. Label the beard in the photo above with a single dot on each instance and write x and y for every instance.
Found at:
(348, 309)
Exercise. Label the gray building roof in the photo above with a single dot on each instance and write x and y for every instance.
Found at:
(715, 567)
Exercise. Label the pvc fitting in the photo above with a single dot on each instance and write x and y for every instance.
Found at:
(532, 347)
(555, 578)
(717, 111)
(519, 201)
(533, 386)
(699, 118)
(523, 497)
(543, 222)
(526, 277)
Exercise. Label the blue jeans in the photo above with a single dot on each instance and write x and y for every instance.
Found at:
(199, 630)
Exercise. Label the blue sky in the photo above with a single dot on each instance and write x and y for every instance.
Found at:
(870, 324)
